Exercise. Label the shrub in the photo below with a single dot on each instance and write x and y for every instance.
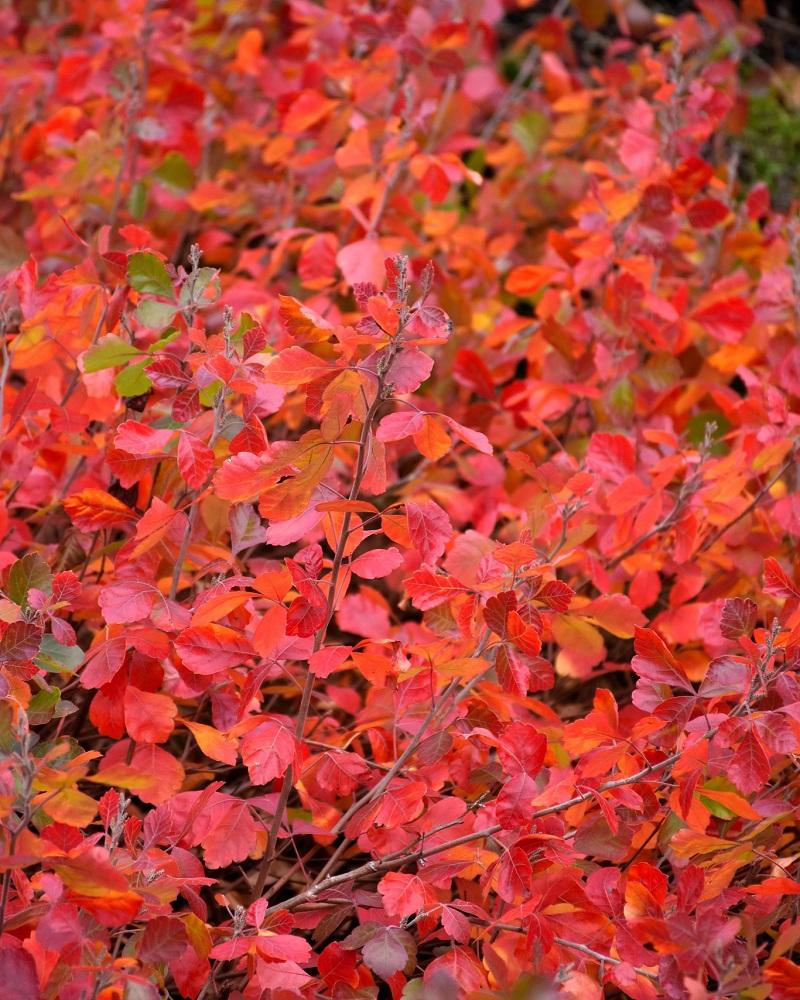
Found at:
(399, 508)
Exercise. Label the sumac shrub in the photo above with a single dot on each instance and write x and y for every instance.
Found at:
(398, 502)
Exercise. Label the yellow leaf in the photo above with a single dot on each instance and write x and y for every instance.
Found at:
(582, 646)
(213, 743)
(69, 806)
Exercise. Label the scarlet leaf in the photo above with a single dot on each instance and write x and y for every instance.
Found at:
(522, 749)
(195, 460)
(295, 366)
(306, 616)
(727, 320)
(324, 661)
(749, 765)
(243, 477)
(267, 751)
(128, 601)
(514, 807)
(777, 582)
(209, 649)
(396, 426)
(429, 529)
(404, 895)
(654, 661)
(149, 717)
(428, 590)
(611, 456)
(738, 617)
(707, 213)
(142, 440)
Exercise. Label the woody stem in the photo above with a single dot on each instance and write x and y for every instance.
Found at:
(319, 639)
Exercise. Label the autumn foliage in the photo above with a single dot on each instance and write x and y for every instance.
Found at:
(399, 593)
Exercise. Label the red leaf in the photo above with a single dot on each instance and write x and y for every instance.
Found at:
(388, 951)
(337, 964)
(428, 590)
(340, 772)
(329, 658)
(91, 510)
(738, 617)
(429, 529)
(725, 675)
(377, 563)
(396, 426)
(497, 610)
(512, 671)
(244, 477)
(556, 594)
(522, 749)
(195, 460)
(777, 582)
(654, 662)
(128, 601)
(460, 966)
(149, 717)
(267, 751)
(404, 895)
(611, 456)
(295, 366)
(103, 663)
(232, 834)
(18, 967)
(514, 875)
(514, 807)
(728, 320)
(209, 649)
(707, 213)
(748, 767)
(164, 939)
(306, 616)
(142, 440)
(475, 439)
(409, 369)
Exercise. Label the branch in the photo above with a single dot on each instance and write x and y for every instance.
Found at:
(302, 715)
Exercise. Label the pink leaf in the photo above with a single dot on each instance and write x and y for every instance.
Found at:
(142, 440)
(377, 563)
(429, 528)
(396, 426)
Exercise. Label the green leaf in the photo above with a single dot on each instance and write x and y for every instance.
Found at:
(208, 395)
(246, 322)
(132, 381)
(622, 398)
(137, 200)
(42, 706)
(530, 130)
(155, 314)
(196, 291)
(167, 338)
(715, 808)
(715, 423)
(29, 571)
(175, 173)
(58, 659)
(147, 273)
(109, 352)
